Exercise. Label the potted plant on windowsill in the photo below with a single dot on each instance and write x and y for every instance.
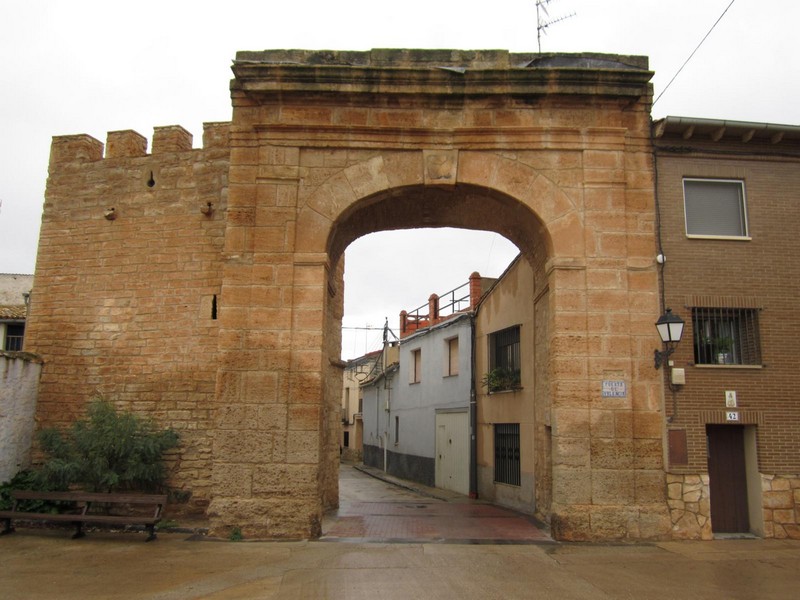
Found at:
(722, 347)
(501, 379)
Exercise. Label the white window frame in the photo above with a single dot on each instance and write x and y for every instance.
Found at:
(742, 208)
(451, 358)
(415, 366)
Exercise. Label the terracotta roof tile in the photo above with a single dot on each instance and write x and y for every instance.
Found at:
(12, 312)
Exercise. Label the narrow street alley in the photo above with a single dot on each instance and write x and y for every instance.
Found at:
(372, 509)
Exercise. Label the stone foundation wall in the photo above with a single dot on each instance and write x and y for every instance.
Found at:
(352, 455)
(690, 506)
(781, 497)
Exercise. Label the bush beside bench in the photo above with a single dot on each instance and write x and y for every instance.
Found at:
(80, 510)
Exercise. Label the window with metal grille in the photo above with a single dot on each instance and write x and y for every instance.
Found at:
(15, 332)
(504, 360)
(726, 336)
(506, 453)
(715, 208)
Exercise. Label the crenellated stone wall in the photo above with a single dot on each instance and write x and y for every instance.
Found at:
(126, 295)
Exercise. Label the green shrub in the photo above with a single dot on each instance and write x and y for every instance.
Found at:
(27, 480)
(107, 451)
(500, 379)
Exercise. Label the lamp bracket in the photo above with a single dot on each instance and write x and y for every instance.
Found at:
(660, 356)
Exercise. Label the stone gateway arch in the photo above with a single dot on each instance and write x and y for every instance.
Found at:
(204, 286)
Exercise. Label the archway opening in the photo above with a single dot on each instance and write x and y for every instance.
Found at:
(391, 271)
(414, 242)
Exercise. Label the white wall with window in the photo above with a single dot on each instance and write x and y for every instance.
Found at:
(433, 376)
(452, 360)
(415, 366)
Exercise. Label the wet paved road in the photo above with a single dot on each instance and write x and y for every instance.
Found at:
(41, 564)
(372, 510)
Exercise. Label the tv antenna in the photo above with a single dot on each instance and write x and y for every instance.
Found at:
(543, 22)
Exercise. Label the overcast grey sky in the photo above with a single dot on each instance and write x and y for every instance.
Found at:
(82, 66)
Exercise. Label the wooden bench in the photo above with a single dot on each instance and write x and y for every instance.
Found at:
(79, 510)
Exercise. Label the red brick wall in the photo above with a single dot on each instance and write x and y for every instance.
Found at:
(763, 272)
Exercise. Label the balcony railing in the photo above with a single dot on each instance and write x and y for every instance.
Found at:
(439, 307)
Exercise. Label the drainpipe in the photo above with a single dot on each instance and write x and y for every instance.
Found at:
(385, 437)
(473, 417)
(387, 411)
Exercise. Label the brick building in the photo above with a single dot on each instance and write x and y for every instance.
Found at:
(728, 201)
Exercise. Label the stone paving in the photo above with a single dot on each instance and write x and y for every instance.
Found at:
(43, 565)
(373, 509)
(39, 564)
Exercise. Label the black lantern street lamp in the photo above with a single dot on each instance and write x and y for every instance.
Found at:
(670, 328)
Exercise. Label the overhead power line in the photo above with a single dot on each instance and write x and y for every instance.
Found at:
(693, 53)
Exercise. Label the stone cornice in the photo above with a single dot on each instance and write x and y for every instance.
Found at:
(427, 73)
(463, 137)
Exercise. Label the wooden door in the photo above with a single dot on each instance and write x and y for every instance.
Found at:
(728, 479)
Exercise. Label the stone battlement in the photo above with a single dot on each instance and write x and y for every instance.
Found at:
(128, 143)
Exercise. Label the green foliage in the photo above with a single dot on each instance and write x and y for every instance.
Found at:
(27, 480)
(108, 451)
(500, 379)
(167, 524)
(236, 535)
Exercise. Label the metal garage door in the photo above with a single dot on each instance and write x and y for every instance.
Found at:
(452, 451)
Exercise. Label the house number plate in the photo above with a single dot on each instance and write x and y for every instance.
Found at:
(731, 415)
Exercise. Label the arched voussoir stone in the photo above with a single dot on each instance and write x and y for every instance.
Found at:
(542, 196)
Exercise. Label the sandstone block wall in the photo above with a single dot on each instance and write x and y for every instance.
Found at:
(126, 297)
(327, 147)
(204, 286)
